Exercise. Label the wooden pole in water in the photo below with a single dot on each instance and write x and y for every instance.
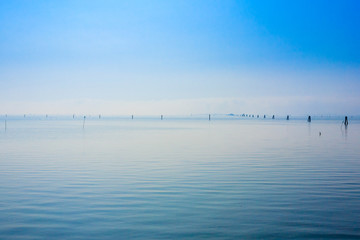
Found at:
(5, 122)
(132, 116)
(161, 117)
(73, 116)
(84, 122)
(309, 119)
(346, 122)
(99, 116)
(209, 117)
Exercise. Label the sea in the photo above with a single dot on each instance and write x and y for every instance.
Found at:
(230, 177)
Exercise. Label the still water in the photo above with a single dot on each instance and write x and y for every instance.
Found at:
(179, 179)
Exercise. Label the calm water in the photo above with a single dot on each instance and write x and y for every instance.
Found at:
(179, 179)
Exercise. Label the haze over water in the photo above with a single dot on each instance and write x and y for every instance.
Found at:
(186, 177)
(179, 179)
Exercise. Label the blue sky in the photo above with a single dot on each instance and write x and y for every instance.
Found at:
(180, 57)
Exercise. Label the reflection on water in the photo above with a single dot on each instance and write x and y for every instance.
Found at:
(147, 179)
(344, 130)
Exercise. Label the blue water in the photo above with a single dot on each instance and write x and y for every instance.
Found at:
(179, 179)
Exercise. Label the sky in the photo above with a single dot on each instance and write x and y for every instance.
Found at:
(180, 57)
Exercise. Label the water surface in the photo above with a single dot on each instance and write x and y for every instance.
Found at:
(179, 179)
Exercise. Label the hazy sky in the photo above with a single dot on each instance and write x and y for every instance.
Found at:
(180, 57)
